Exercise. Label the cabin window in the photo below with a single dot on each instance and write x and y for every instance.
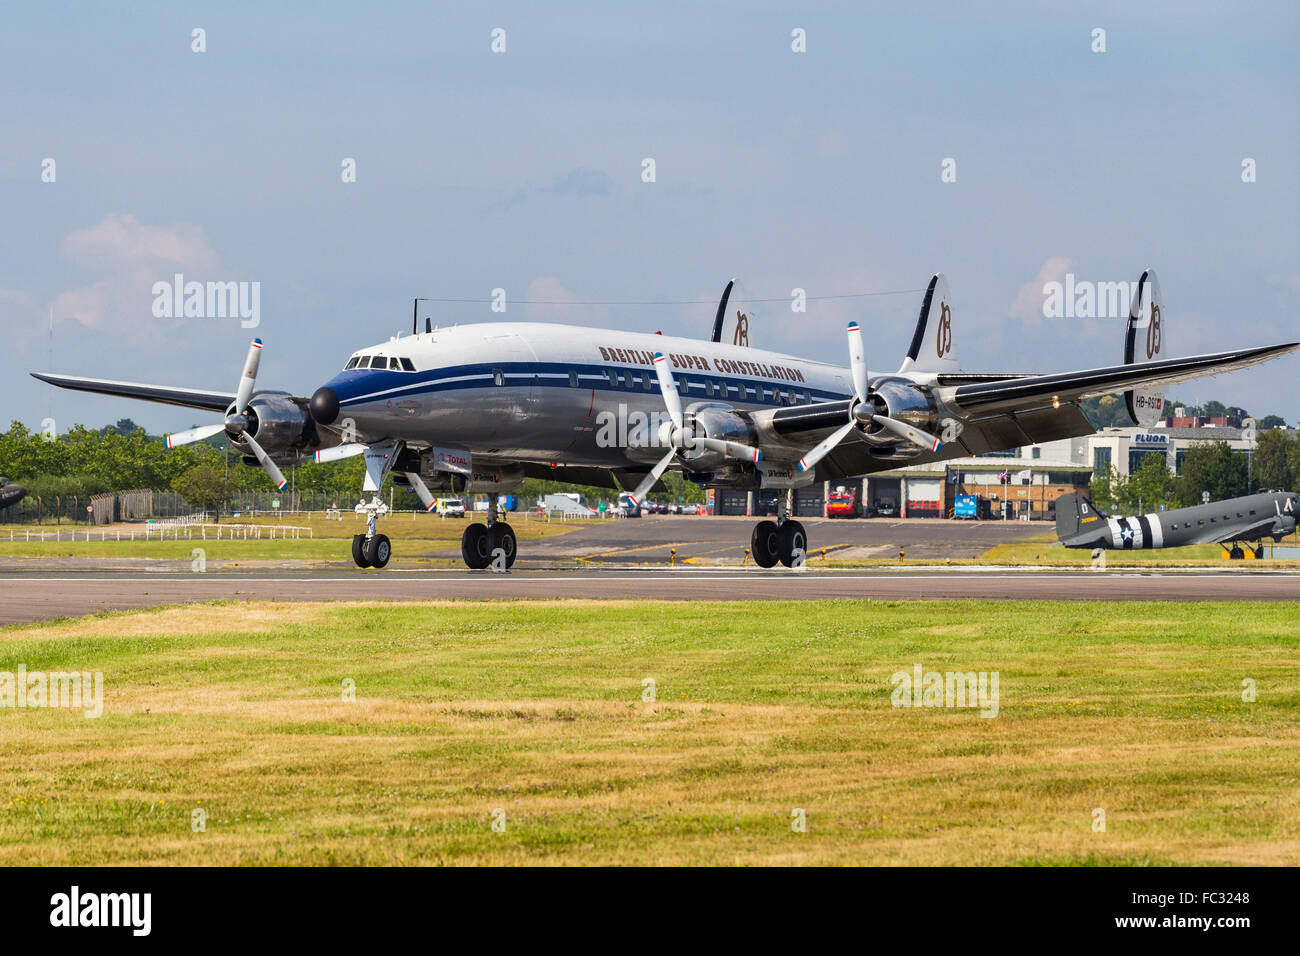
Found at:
(646, 383)
(573, 380)
(408, 365)
(498, 376)
(1252, 510)
(1200, 522)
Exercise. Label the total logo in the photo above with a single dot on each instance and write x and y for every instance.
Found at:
(457, 461)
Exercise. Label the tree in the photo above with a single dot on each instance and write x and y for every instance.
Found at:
(1272, 421)
(1104, 490)
(205, 487)
(1212, 467)
(1276, 456)
(1150, 486)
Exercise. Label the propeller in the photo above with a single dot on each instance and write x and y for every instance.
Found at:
(681, 439)
(860, 412)
(236, 424)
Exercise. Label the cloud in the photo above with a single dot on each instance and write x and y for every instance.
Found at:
(578, 183)
(1029, 300)
(128, 257)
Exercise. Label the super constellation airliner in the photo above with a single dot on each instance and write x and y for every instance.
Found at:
(481, 407)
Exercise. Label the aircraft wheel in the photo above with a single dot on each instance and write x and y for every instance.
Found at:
(474, 547)
(378, 550)
(1237, 554)
(502, 536)
(792, 538)
(359, 551)
(765, 544)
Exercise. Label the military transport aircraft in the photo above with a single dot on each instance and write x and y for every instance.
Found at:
(1250, 518)
(477, 408)
(10, 494)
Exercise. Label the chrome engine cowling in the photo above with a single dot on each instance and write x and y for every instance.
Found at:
(720, 421)
(282, 427)
(901, 399)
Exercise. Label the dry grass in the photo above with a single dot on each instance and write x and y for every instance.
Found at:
(535, 709)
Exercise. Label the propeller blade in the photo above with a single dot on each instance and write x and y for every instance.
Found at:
(249, 378)
(732, 449)
(263, 459)
(194, 434)
(821, 451)
(858, 361)
(339, 451)
(656, 472)
(914, 435)
(421, 490)
(669, 388)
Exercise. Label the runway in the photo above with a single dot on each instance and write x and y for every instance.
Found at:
(37, 595)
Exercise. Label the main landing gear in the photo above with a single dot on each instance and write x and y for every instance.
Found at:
(487, 545)
(783, 540)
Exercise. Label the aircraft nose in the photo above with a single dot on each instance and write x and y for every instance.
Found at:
(325, 405)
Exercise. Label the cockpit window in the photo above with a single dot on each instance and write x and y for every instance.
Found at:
(394, 364)
(352, 363)
(408, 365)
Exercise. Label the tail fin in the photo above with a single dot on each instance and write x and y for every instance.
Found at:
(1144, 341)
(932, 347)
(1074, 513)
(735, 315)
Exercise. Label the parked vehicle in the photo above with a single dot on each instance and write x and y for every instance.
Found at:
(451, 507)
(842, 504)
(885, 509)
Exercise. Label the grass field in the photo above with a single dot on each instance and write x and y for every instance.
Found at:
(535, 710)
(413, 537)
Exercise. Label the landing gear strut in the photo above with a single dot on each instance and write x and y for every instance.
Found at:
(783, 540)
(371, 550)
(482, 545)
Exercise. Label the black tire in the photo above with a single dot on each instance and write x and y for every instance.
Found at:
(502, 536)
(359, 551)
(1237, 554)
(474, 547)
(765, 543)
(792, 536)
(378, 550)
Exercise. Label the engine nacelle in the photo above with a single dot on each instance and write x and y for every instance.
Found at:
(901, 399)
(281, 426)
(720, 421)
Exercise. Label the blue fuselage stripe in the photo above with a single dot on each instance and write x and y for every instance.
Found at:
(355, 386)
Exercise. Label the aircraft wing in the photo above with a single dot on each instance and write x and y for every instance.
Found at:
(1035, 390)
(165, 394)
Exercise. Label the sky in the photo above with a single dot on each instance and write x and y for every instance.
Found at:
(523, 170)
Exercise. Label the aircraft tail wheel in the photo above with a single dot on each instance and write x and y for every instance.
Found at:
(765, 544)
(792, 538)
(474, 547)
(359, 551)
(378, 550)
(502, 536)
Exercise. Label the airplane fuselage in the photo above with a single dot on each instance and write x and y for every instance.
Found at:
(1249, 518)
(539, 392)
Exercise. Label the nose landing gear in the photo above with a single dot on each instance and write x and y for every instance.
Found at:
(371, 550)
